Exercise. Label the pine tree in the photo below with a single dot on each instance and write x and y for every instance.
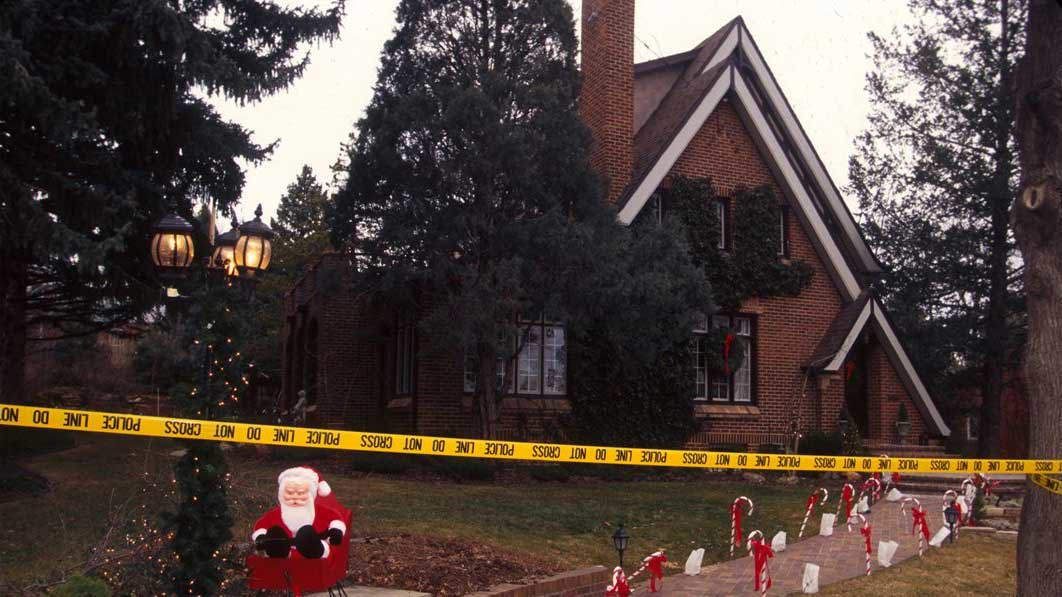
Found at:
(105, 127)
(935, 174)
(469, 176)
(301, 236)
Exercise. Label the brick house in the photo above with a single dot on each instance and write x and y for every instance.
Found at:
(714, 111)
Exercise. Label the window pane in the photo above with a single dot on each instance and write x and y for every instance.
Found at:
(781, 232)
(720, 214)
(700, 385)
(700, 323)
(529, 369)
(471, 366)
(555, 358)
(720, 321)
(720, 388)
(471, 370)
(743, 326)
(743, 379)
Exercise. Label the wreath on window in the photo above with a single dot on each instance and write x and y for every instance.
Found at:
(724, 351)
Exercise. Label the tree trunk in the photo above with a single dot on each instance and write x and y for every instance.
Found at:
(486, 392)
(997, 342)
(1037, 221)
(13, 276)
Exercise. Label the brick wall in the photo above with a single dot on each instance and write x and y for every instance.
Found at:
(787, 328)
(885, 394)
(576, 583)
(607, 99)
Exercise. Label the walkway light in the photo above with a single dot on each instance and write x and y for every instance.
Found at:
(620, 539)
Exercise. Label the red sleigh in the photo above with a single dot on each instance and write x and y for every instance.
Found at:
(297, 574)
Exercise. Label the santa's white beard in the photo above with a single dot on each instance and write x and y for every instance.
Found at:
(296, 517)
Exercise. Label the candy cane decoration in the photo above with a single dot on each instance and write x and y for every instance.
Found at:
(620, 586)
(867, 485)
(846, 503)
(865, 531)
(812, 500)
(760, 552)
(969, 495)
(735, 521)
(903, 507)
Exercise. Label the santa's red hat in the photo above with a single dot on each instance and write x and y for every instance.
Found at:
(318, 486)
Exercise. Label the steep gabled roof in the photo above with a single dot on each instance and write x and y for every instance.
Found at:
(729, 66)
(732, 48)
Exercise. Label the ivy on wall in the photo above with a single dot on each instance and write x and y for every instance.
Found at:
(750, 265)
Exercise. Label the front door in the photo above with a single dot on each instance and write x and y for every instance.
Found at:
(855, 387)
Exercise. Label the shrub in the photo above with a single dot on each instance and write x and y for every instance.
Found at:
(82, 586)
(822, 443)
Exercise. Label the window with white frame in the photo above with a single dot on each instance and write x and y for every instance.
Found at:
(733, 386)
(540, 367)
(472, 370)
(405, 357)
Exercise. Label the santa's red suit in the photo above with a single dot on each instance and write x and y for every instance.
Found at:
(324, 518)
(290, 519)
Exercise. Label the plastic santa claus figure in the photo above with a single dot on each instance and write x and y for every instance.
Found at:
(298, 527)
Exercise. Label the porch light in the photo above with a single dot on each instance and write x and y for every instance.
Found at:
(254, 247)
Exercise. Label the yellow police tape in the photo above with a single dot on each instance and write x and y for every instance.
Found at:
(250, 433)
(1052, 485)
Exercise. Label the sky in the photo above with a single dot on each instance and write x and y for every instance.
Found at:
(817, 49)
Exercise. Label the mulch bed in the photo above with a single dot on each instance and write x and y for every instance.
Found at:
(440, 567)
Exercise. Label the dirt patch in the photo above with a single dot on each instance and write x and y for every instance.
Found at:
(441, 567)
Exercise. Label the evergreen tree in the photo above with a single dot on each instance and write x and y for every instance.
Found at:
(469, 176)
(301, 236)
(105, 127)
(935, 174)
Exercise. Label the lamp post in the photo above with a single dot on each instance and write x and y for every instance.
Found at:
(172, 249)
(951, 516)
(620, 539)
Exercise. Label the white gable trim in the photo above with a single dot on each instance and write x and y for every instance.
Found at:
(678, 144)
(907, 370)
(849, 284)
(724, 50)
(803, 146)
(849, 341)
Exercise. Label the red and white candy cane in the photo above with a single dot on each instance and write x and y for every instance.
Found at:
(903, 507)
(812, 500)
(865, 531)
(846, 503)
(921, 526)
(735, 521)
(620, 586)
(760, 552)
(872, 484)
(969, 495)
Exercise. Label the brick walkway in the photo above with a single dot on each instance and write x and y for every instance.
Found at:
(839, 557)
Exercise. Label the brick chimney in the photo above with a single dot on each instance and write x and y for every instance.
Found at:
(607, 100)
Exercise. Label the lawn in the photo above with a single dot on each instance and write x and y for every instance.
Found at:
(563, 525)
(978, 564)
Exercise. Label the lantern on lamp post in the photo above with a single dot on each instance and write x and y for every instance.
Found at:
(254, 247)
(620, 539)
(951, 517)
(225, 248)
(172, 248)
